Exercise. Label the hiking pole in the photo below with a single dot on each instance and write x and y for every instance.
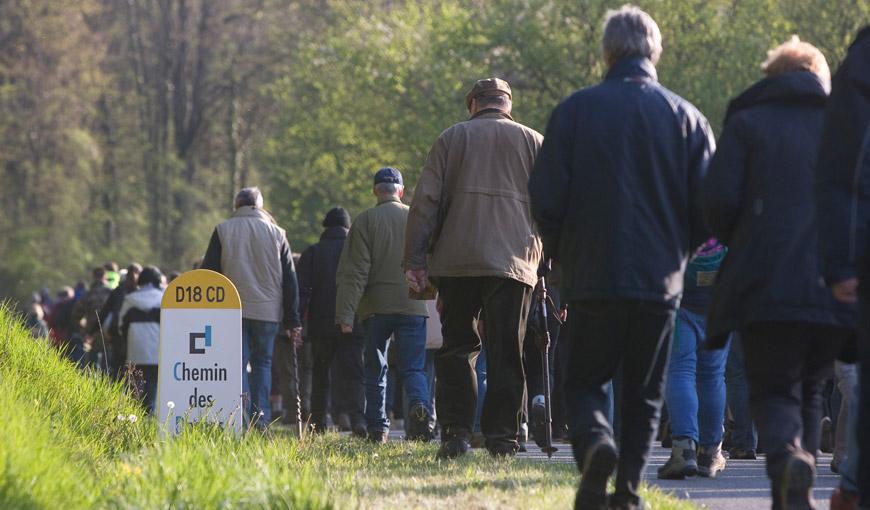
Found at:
(544, 345)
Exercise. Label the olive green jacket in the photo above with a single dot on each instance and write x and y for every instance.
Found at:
(370, 277)
(470, 215)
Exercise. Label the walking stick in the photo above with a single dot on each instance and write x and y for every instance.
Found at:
(544, 345)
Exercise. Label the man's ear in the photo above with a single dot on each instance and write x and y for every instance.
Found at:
(402, 193)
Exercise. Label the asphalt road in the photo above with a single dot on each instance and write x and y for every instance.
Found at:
(742, 486)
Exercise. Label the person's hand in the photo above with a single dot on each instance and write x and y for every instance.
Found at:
(846, 291)
(295, 336)
(418, 279)
(346, 329)
(563, 315)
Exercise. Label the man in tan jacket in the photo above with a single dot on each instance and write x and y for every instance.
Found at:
(471, 231)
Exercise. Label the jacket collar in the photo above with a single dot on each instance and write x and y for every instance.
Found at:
(334, 233)
(491, 113)
(393, 198)
(249, 211)
(802, 87)
(633, 68)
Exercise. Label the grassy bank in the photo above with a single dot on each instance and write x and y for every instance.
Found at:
(75, 441)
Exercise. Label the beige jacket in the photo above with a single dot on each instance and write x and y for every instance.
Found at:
(251, 252)
(470, 212)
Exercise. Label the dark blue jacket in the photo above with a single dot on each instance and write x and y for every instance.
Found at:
(843, 170)
(758, 200)
(616, 184)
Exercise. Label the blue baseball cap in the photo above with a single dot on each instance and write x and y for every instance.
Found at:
(388, 175)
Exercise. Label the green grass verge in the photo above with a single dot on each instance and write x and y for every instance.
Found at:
(68, 443)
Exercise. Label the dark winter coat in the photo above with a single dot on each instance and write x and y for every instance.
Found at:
(615, 187)
(843, 170)
(758, 200)
(317, 268)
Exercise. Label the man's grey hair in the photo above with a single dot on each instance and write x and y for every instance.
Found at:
(630, 32)
(249, 197)
(388, 188)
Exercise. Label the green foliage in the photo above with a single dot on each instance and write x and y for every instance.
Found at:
(379, 84)
(127, 126)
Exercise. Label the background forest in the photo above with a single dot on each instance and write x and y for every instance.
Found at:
(127, 125)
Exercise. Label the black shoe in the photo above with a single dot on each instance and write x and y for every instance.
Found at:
(538, 423)
(360, 430)
(342, 421)
(598, 464)
(826, 441)
(378, 436)
(741, 454)
(419, 424)
(616, 504)
(502, 449)
(453, 448)
(794, 486)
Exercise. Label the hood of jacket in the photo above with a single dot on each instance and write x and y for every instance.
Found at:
(802, 87)
(334, 233)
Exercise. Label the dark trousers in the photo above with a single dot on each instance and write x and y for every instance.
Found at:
(337, 370)
(602, 335)
(863, 428)
(532, 353)
(505, 303)
(787, 364)
(285, 379)
(149, 386)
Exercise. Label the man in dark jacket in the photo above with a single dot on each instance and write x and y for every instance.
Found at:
(843, 200)
(614, 192)
(758, 201)
(335, 353)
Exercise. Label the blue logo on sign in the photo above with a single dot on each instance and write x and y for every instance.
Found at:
(200, 336)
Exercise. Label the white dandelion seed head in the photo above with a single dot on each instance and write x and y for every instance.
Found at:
(170, 404)
(132, 418)
(121, 417)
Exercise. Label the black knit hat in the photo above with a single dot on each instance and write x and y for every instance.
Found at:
(337, 217)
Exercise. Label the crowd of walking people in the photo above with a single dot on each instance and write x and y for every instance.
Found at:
(717, 281)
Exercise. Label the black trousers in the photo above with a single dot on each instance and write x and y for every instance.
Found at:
(601, 336)
(863, 428)
(532, 353)
(505, 303)
(337, 370)
(787, 364)
(285, 380)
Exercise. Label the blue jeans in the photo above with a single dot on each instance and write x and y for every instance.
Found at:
(695, 390)
(258, 341)
(849, 464)
(743, 435)
(409, 332)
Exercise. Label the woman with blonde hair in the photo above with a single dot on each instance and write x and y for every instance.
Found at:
(759, 201)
